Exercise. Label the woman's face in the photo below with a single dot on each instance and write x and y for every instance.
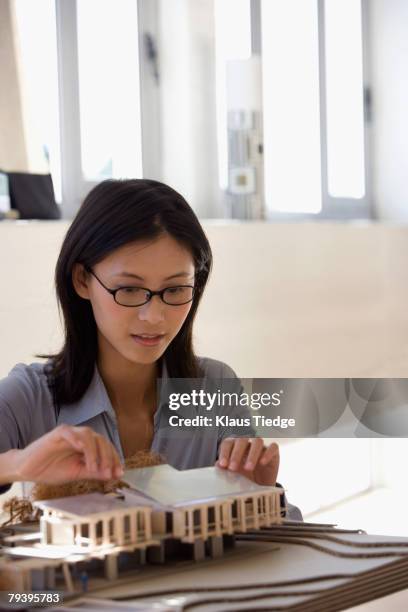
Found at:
(153, 264)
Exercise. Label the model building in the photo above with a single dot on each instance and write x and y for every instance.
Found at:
(200, 508)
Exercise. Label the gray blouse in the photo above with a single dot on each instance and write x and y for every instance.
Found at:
(27, 412)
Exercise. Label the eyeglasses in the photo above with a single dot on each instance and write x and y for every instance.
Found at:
(137, 296)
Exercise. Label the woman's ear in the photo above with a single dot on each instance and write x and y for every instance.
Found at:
(80, 281)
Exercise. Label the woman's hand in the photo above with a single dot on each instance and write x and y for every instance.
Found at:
(65, 454)
(251, 458)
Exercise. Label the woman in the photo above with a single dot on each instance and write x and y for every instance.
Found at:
(129, 279)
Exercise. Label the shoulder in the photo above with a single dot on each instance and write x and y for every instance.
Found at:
(212, 368)
(24, 383)
(26, 405)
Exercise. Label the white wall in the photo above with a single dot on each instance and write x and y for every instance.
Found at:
(284, 300)
(389, 61)
(20, 143)
(13, 153)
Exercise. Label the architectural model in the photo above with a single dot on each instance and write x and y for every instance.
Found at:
(199, 510)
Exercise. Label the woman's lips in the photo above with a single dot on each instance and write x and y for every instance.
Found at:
(148, 340)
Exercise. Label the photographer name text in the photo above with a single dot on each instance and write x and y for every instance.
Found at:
(257, 420)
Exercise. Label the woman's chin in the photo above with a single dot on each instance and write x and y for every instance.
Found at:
(145, 355)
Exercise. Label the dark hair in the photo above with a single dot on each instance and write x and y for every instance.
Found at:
(115, 213)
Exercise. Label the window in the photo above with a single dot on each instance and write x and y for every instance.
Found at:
(99, 94)
(126, 527)
(231, 43)
(140, 522)
(295, 67)
(108, 60)
(291, 106)
(313, 105)
(85, 530)
(99, 529)
(37, 42)
(344, 98)
(197, 519)
(211, 516)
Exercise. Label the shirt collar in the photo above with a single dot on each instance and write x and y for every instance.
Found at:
(96, 400)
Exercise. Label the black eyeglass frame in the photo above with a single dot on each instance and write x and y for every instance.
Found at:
(150, 293)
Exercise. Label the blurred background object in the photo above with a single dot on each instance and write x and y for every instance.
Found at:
(4, 194)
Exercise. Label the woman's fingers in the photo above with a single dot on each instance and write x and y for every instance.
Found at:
(68, 453)
(100, 457)
(238, 452)
(104, 458)
(251, 457)
(254, 453)
(235, 451)
(109, 462)
(225, 452)
(116, 466)
(269, 465)
(270, 454)
(82, 439)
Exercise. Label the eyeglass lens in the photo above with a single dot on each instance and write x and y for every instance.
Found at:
(136, 296)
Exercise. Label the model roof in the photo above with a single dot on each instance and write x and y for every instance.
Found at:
(172, 487)
(80, 506)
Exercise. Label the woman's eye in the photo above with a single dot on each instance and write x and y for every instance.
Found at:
(175, 289)
(131, 290)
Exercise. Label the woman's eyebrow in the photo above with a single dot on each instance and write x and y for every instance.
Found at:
(178, 275)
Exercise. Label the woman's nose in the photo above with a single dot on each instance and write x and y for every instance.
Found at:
(152, 311)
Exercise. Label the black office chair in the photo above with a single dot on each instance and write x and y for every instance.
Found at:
(33, 195)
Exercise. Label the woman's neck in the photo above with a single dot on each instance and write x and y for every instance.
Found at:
(128, 384)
